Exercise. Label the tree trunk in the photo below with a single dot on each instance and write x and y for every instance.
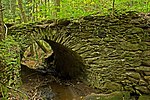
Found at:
(33, 10)
(23, 16)
(57, 7)
(2, 30)
(57, 4)
(45, 10)
(13, 9)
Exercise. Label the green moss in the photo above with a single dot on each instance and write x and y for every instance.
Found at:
(133, 61)
(129, 46)
(143, 68)
(119, 43)
(131, 54)
(135, 30)
(146, 53)
(112, 96)
(144, 97)
(134, 75)
(143, 46)
(142, 89)
(112, 86)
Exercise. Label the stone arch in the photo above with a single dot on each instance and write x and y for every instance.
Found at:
(68, 63)
(117, 56)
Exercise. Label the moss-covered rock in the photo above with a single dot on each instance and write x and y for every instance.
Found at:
(113, 86)
(134, 75)
(130, 46)
(115, 51)
(135, 30)
(144, 97)
(143, 89)
(112, 96)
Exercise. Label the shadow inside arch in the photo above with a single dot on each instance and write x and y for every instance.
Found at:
(68, 64)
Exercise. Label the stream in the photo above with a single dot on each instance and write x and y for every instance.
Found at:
(46, 87)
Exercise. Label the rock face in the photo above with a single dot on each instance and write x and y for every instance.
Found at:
(115, 50)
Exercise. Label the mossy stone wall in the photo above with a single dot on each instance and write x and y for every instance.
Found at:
(122, 57)
(115, 49)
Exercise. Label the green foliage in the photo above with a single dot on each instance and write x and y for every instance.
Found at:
(10, 66)
(40, 10)
(136, 5)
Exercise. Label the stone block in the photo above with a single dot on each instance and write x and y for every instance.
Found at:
(113, 86)
(144, 97)
(112, 96)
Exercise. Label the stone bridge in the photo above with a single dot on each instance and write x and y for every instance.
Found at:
(115, 50)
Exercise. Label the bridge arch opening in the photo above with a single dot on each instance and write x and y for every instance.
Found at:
(68, 63)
